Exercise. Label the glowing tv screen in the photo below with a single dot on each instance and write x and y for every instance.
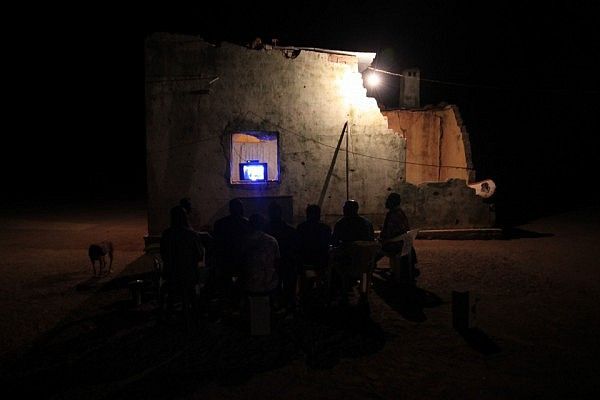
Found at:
(253, 172)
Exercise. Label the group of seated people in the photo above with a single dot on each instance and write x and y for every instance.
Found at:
(269, 257)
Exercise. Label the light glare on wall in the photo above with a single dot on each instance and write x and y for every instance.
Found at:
(353, 91)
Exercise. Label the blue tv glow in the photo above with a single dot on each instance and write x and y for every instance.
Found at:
(253, 171)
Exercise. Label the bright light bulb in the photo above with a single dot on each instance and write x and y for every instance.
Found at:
(373, 79)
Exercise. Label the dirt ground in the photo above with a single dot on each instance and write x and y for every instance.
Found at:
(66, 335)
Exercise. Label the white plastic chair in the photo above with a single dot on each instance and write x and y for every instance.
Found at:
(366, 257)
(408, 239)
(159, 280)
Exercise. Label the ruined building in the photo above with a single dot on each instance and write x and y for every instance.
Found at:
(229, 121)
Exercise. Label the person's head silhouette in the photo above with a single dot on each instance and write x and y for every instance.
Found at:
(236, 207)
(313, 212)
(257, 222)
(275, 212)
(179, 218)
(186, 203)
(392, 201)
(350, 208)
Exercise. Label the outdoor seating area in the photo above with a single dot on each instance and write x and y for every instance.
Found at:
(347, 281)
(74, 336)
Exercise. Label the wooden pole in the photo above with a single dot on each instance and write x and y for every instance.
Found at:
(328, 177)
(347, 178)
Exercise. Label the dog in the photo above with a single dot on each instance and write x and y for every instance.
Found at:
(99, 252)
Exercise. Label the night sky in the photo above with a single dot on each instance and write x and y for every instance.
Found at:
(523, 76)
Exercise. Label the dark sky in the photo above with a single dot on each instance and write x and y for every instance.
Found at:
(523, 76)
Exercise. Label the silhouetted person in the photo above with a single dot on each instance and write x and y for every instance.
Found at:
(229, 234)
(346, 256)
(186, 203)
(181, 251)
(352, 227)
(314, 238)
(207, 241)
(260, 254)
(192, 214)
(395, 225)
(286, 236)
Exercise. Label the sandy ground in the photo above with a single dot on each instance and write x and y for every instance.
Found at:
(45, 268)
(536, 333)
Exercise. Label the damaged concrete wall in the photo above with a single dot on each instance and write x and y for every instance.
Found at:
(438, 167)
(445, 205)
(437, 145)
(197, 95)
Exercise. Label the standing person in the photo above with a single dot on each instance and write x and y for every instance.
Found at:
(286, 237)
(229, 234)
(394, 226)
(181, 251)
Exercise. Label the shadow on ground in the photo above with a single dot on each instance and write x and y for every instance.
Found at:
(409, 301)
(480, 341)
(123, 351)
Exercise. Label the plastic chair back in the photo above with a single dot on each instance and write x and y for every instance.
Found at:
(407, 242)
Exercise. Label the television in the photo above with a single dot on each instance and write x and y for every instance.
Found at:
(253, 171)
